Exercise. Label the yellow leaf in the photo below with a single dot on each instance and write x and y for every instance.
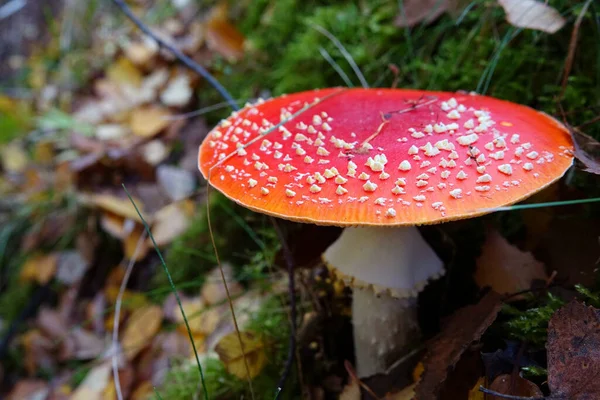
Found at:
(94, 383)
(116, 205)
(130, 300)
(475, 393)
(14, 158)
(200, 319)
(141, 327)
(132, 242)
(39, 268)
(124, 72)
(231, 354)
(148, 121)
(143, 391)
(418, 371)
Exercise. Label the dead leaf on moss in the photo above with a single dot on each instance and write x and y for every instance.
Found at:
(574, 352)
(148, 121)
(587, 150)
(515, 385)
(124, 72)
(94, 384)
(39, 268)
(202, 320)
(505, 268)
(231, 354)
(222, 36)
(532, 14)
(463, 327)
(141, 327)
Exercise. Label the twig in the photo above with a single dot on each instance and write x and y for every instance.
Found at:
(289, 260)
(119, 300)
(185, 60)
(507, 396)
(572, 47)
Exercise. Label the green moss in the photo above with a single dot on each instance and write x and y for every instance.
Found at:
(531, 325)
(271, 324)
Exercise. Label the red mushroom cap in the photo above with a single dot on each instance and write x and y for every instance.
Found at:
(383, 157)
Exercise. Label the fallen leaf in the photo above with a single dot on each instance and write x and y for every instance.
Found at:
(514, 385)
(213, 291)
(417, 11)
(95, 383)
(52, 324)
(29, 389)
(81, 344)
(231, 354)
(116, 205)
(475, 393)
(38, 351)
(124, 72)
(14, 158)
(587, 150)
(504, 267)
(463, 327)
(39, 268)
(143, 391)
(408, 393)
(532, 14)
(141, 327)
(141, 52)
(148, 121)
(133, 248)
(71, 267)
(201, 320)
(171, 221)
(178, 92)
(574, 353)
(176, 183)
(222, 36)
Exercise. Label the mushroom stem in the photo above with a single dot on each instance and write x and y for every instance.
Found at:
(384, 328)
(387, 267)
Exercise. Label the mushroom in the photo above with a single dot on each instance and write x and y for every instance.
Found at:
(381, 162)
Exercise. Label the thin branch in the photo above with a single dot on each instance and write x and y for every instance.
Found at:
(119, 300)
(289, 260)
(185, 60)
(572, 47)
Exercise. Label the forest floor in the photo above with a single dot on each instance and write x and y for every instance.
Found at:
(99, 137)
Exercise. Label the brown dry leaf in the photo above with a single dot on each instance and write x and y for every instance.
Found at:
(143, 391)
(408, 393)
(475, 393)
(463, 327)
(201, 320)
(532, 14)
(38, 351)
(574, 353)
(587, 150)
(213, 291)
(141, 52)
(126, 380)
(124, 72)
(29, 389)
(222, 36)
(131, 244)
(39, 268)
(94, 384)
(504, 267)
(232, 356)
(116, 205)
(141, 327)
(515, 385)
(417, 11)
(171, 221)
(113, 224)
(148, 121)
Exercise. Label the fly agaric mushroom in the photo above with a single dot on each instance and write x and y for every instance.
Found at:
(371, 159)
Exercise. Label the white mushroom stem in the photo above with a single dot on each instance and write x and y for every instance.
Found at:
(387, 267)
